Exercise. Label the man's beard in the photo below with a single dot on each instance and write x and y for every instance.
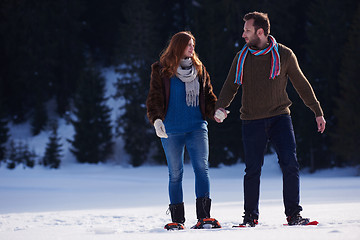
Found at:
(254, 42)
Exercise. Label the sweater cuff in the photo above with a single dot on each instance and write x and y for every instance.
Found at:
(318, 111)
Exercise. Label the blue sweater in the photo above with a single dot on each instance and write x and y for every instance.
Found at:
(181, 118)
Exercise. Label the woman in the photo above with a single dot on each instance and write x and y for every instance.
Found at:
(179, 99)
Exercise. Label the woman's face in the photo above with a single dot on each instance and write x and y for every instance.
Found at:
(189, 50)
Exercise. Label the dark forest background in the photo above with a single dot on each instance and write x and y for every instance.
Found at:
(55, 50)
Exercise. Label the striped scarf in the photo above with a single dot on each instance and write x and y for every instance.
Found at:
(275, 59)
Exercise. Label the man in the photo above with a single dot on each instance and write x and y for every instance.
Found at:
(262, 68)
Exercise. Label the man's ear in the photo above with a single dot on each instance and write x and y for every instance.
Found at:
(260, 32)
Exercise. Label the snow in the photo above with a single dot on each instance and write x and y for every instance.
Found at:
(111, 201)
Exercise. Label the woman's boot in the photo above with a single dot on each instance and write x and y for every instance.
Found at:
(203, 206)
(177, 217)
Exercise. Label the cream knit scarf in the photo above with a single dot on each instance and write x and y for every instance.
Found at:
(187, 73)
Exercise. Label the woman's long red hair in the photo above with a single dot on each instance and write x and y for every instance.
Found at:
(172, 54)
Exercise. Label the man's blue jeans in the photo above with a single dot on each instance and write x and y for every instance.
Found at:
(279, 131)
(197, 145)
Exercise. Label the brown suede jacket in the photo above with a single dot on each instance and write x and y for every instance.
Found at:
(158, 98)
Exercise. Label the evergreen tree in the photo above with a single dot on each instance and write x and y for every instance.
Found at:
(101, 21)
(139, 48)
(346, 139)
(42, 56)
(40, 118)
(12, 159)
(20, 58)
(53, 150)
(29, 157)
(19, 153)
(93, 131)
(4, 133)
(327, 28)
(70, 50)
(217, 43)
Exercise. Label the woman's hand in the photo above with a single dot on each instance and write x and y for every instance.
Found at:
(160, 129)
(220, 115)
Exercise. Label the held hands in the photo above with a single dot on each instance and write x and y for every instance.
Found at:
(321, 124)
(160, 129)
(220, 115)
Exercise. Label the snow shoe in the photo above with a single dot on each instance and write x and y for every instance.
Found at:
(312, 223)
(174, 226)
(250, 220)
(177, 217)
(296, 219)
(206, 223)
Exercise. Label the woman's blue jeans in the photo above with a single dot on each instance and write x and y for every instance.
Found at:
(197, 145)
(279, 131)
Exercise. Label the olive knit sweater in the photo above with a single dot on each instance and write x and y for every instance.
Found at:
(263, 97)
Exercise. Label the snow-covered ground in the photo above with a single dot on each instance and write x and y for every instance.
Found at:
(115, 202)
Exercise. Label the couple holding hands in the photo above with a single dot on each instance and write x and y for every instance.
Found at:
(181, 98)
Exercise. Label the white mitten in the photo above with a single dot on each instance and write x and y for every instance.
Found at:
(221, 115)
(160, 129)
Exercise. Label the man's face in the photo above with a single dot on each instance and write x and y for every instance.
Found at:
(249, 35)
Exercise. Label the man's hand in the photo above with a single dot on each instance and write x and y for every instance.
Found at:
(321, 123)
(160, 129)
(220, 115)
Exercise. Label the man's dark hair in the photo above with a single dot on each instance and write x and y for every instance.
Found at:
(261, 20)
